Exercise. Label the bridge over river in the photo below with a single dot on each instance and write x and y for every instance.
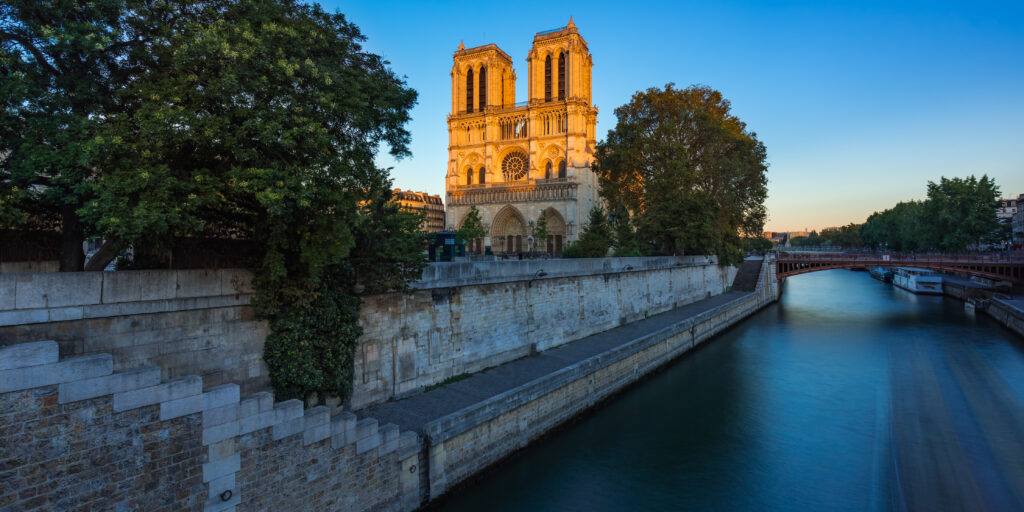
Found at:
(998, 268)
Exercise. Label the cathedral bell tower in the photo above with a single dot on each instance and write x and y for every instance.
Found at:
(520, 162)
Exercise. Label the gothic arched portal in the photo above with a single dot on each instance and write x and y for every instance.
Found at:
(556, 232)
(508, 231)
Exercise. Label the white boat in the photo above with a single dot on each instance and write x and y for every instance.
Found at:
(918, 280)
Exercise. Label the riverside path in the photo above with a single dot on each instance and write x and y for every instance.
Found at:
(414, 412)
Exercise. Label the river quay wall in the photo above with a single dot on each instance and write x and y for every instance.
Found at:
(1004, 311)
(107, 417)
(467, 441)
(77, 435)
(460, 317)
(465, 317)
(185, 322)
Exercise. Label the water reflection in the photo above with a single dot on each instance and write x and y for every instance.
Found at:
(847, 395)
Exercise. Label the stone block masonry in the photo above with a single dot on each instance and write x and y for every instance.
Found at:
(88, 431)
(473, 423)
(461, 318)
(182, 321)
(75, 435)
(466, 317)
(1008, 313)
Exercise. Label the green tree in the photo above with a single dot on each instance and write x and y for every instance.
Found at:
(540, 232)
(595, 240)
(847, 236)
(688, 171)
(142, 121)
(961, 212)
(900, 228)
(473, 227)
(757, 244)
(625, 235)
(62, 64)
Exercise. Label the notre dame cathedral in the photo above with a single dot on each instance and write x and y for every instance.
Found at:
(519, 161)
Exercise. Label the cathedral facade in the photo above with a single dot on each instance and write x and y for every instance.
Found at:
(520, 162)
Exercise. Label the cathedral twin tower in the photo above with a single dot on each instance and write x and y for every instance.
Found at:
(518, 162)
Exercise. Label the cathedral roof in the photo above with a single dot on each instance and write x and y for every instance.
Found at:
(557, 32)
(462, 51)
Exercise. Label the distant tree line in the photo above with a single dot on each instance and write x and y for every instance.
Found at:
(959, 213)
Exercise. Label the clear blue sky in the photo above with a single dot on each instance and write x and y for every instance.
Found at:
(859, 104)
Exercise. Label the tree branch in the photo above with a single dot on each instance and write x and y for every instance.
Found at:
(107, 252)
(27, 44)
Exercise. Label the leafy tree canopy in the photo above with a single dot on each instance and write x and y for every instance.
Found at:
(540, 231)
(473, 226)
(758, 244)
(958, 213)
(141, 121)
(595, 240)
(687, 170)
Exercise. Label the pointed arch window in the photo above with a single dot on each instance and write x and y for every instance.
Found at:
(469, 91)
(483, 88)
(547, 78)
(561, 169)
(547, 171)
(483, 176)
(561, 76)
(469, 176)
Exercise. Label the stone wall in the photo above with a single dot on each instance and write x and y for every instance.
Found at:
(1006, 313)
(19, 267)
(467, 441)
(183, 321)
(465, 317)
(75, 435)
(460, 318)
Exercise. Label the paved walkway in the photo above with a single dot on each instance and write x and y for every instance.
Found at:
(414, 412)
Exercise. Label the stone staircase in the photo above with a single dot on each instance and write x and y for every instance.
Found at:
(746, 277)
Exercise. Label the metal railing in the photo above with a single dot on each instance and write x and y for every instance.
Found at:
(901, 257)
(551, 31)
(493, 108)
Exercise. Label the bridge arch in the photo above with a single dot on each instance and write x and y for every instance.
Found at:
(997, 269)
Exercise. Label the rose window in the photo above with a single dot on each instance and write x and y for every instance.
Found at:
(514, 166)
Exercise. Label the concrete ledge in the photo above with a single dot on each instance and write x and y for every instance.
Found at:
(77, 295)
(68, 370)
(29, 354)
(1007, 314)
(55, 297)
(447, 275)
(116, 383)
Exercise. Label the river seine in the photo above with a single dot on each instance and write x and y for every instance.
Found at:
(848, 394)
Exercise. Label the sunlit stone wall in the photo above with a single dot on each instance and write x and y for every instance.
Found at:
(465, 317)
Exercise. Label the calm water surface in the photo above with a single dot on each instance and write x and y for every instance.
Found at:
(848, 394)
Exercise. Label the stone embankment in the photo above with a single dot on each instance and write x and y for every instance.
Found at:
(475, 422)
(1007, 310)
(75, 435)
(81, 429)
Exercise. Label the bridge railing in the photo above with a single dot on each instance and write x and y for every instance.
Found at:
(903, 258)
